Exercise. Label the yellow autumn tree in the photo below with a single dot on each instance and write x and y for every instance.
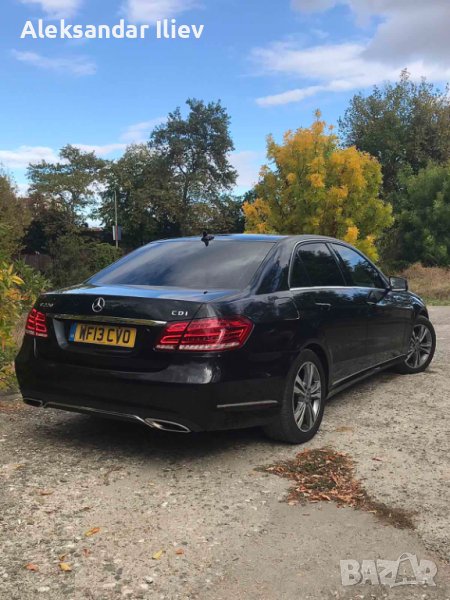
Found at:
(312, 185)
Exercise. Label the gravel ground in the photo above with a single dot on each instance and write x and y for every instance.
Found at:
(220, 525)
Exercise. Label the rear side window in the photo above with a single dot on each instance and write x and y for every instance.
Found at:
(314, 265)
(360, 271)
(188, 264)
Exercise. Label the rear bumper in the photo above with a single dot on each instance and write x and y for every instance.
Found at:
(200, 396)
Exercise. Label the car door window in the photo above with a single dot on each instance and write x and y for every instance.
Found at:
(314, 265)
(360, 272)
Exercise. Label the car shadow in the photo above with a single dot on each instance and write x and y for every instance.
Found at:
(86, 434)
(356, 392)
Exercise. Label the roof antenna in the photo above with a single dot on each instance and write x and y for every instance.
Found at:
(207, 238)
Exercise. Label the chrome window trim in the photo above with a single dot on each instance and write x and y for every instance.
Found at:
(107, 319)
(336, 287)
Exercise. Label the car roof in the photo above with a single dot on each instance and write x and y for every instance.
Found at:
(252, 237)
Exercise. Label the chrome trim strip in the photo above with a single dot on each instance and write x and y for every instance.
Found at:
(337, 287)
(320, 287)
(88, 409)
(148, 421)
(244, 404)
(106, 319)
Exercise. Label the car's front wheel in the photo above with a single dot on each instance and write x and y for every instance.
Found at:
(422, 346)
(303, 402)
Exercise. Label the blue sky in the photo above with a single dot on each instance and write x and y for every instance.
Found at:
(271, 62)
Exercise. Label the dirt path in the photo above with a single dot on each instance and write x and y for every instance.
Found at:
(221, 526)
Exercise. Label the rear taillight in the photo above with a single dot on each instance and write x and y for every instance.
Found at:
(36, 324)
(205, 335)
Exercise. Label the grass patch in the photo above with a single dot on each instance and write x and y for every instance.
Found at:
(431, 283)
(325, 475)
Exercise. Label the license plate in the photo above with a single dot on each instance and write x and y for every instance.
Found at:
(104, 335)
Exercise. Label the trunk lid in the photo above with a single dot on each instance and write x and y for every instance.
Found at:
(139, 307)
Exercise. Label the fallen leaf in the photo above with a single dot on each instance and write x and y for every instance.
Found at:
(158, 555)
(65, 566)
(92, 531)
(62, 557)
(45, 492)
(179, 551)
(31, 567)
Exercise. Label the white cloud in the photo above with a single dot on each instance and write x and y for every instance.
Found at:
(140, 132)
(21, 157)
(411, 34)
(75, 65)
(22, 189)
(291, 96)
(57, 8)
(248, 164)
(149, 11)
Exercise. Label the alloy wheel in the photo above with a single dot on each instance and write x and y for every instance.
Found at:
(420, 347)
(307, 396)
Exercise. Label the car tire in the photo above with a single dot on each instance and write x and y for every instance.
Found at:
(303, 405)
(421, 348)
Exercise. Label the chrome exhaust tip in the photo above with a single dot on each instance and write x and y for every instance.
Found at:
(35, 403)
(162, 425)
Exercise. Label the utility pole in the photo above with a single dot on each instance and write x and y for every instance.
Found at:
(116, 222)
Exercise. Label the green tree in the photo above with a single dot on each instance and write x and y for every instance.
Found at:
(195, 152)
(314, 186)
(14, 218)
(70, 185)
(423, 221)
(402, 124)
(178, 183)
(143, 186)
(48, 223)
(75, 259)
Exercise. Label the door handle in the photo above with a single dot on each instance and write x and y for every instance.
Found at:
(323, 306)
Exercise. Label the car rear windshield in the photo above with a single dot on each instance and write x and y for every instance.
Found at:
(188, 264)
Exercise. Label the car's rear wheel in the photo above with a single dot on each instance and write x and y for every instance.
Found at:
(303, 402)
(421, 349)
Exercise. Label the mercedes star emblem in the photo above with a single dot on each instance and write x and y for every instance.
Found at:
(98, 305)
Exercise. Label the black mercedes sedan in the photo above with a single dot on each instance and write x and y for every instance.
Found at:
(222, 332)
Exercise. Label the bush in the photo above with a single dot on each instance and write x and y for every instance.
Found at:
(34, 283)
(11, 298)
(76, 259)
(19, 287)
(423, 219)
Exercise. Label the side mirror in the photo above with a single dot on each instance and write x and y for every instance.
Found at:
(398, 284)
